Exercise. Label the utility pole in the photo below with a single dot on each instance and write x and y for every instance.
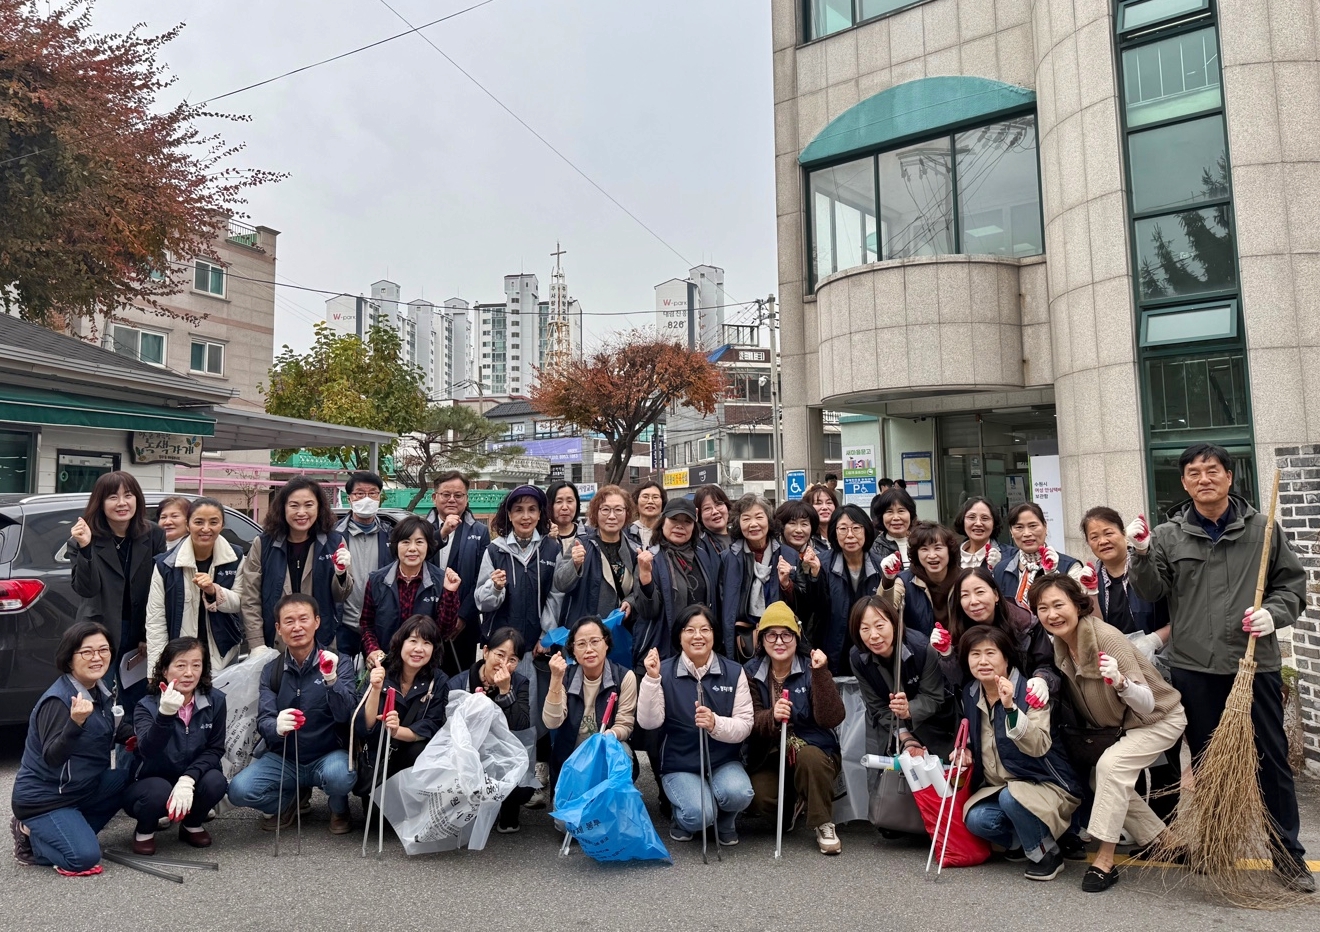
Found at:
(557, 331)
(766, 312)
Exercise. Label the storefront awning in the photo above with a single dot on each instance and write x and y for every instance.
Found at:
(241, 429)
(33, 406)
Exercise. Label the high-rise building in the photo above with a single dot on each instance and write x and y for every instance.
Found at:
(507, 338)
(703, 291)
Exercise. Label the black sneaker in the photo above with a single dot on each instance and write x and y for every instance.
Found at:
(1015, 855)
(22, 844)
(1047, 868)
(1294, 875)
(1073, 848)
(1097, 881)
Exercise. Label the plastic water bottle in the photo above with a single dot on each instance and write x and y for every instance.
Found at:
(878, 762)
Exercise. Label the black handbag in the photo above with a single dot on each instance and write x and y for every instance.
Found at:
(1083, 743)
(892, 807)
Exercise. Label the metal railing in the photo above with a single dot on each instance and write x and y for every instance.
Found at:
(243, 235)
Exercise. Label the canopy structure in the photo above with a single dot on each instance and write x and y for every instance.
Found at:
(22, 405)
(242, 429)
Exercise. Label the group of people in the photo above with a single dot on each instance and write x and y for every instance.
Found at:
(741, 617)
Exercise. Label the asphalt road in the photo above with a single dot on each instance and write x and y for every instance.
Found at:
(518, 882)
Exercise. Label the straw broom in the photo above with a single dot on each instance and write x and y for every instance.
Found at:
(1222, 827)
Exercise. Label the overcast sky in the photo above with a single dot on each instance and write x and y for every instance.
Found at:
(401, 168)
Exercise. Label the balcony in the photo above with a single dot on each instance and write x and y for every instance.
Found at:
(243, 235)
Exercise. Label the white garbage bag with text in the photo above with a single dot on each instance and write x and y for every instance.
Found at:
(853, 805)
(241, 684)
(449, 799)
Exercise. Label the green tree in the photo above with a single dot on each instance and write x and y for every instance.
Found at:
(102, 183)
(449, 437)
(344, 380)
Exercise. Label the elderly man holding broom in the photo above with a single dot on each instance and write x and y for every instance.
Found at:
(1206, 560)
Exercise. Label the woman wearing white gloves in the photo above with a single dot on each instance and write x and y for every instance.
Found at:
(1110, 685)
(1145, 623)
(1035, 557)
(180, 728)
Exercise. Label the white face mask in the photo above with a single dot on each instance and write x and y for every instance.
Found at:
(365, 507)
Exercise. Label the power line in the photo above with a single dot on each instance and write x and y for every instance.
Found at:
(278, 77)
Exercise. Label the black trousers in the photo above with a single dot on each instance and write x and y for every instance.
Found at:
(1204, 696)
(146, 799)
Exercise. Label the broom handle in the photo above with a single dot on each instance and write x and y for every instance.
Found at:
(1264, 573)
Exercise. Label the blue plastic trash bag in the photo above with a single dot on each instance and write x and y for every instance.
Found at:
(621, 638)
(556, 637)
(598, 804)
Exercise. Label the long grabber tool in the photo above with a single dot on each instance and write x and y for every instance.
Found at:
(604, 724)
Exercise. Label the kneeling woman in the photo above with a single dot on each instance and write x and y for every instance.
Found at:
(579, 694)
(412, 670)
(813, 710)
(496, 675)
(668, 700)
(1024, 790)
(67, 788)
(1111, 685)
(180, 727)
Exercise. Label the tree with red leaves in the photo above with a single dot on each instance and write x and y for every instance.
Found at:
(623, 389)
(100, 187)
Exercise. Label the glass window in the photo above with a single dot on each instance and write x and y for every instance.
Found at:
(1166, 477)
(1143, 13)
(866, 9)
(1188, 325)
(1185, 254)
(1179, 164)
(843, 217)
(207, 357)
(1172, 77)
(1188, 396)
(916, 200)
(999, 189)
(138, 344)
(209, 278)
(827, 16)
(14, 462)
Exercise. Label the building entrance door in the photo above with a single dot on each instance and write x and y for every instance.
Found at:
(988, 454)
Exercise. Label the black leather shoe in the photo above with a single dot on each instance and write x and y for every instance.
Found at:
(1097, 881)
(145, 846)
(1294, 875)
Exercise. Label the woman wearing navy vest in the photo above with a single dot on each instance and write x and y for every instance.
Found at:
(1024, 789)
(496, 674)
(598, 571)
(799, 530)
(813, 710)
(928, 579)
(411, 585)
(412, 670)
(893, 512)
(579, 693)
(667, 701)
(755, 572)
(517, 571)
(714, 508)
(298, 550)
(852, 572)
(180, 728)
(193, 590)
(67, 788)
(919, 708)
(1015, 573)
(685, 571)
(978, 522)
(112, 550)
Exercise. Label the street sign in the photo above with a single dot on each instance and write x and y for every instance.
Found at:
(859, 490)
(795, 483)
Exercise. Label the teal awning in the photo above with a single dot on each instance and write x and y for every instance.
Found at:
(33, 406)
(912, 110)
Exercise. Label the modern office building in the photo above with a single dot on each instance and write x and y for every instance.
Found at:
(1018, 230)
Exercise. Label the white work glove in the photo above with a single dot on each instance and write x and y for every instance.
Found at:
(892, 565)
(1139, 533)
(1149, 645)
(1258, 623)
(342, 559)
(1038, 693)
(329, 664)
(992, 556)
(180, 801)
(171, 700)
(941, 640)
(1049, 559)
(289, 720)
(1090, 580)
(1109, 670)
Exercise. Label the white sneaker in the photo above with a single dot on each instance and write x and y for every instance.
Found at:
(827, 840)
(539, 798)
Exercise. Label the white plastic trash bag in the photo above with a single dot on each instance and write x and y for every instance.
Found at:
(854, 804)
(449, 799)
(241, 684)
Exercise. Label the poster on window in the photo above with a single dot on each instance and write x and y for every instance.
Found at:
(1047, 492)
(859, 482)
(919, 475)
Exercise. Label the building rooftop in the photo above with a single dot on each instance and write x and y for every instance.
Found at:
(519, 407)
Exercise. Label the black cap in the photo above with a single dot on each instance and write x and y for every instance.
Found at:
(680, 506)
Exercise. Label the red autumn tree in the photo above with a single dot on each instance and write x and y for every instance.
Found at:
(100, 184)
(621, 390)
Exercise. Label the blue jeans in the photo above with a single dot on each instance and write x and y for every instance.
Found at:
(1007, 823)
(67, 837)
(733, 793)
(257, 785)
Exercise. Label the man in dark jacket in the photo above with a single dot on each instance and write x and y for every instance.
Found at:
(369, 544)
(1205, 561)
(309, 693)
(461, 543)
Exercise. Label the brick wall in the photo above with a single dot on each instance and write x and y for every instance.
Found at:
(1299, 513)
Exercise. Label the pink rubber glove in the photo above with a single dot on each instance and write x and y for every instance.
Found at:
(1139, 533)
(941, 640)
(1090, 580)
(1038, 693)
(891, 566)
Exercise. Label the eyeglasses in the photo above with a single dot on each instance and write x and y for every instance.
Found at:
(613, 512)
(91, 653)
(850, 530)
(589, 643)
(357, 494)
(782, 637)
(450, 496)
(703, 631)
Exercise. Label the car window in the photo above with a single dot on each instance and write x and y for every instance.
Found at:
(239, 531)
(45, 534)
